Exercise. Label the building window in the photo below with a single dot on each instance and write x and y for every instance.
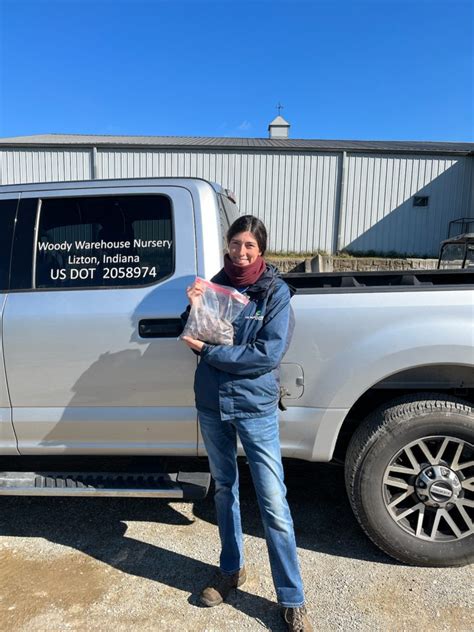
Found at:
(420, 200)
(104, 241)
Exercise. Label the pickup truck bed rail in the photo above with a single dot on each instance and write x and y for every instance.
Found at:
(315, 282)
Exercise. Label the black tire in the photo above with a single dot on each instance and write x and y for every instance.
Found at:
(392, 433)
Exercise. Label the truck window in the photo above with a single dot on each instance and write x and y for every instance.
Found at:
(7, 222)
(104, 241)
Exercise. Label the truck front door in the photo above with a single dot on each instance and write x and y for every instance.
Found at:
(90, 334)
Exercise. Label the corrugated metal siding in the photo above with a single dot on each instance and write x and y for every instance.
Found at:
(44, 165)
(378, 212)
(294, 194)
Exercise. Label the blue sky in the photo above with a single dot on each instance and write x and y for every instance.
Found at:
(343, 69)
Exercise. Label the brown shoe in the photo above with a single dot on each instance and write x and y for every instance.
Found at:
(217, 591)
(297, 620)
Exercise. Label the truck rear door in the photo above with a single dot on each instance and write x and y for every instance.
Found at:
(90, 330)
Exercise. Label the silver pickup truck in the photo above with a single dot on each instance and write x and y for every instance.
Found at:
(379, 375)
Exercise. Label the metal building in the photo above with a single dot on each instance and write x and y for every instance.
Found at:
(312, 194)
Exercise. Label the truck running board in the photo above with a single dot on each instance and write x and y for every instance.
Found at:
(180, 485)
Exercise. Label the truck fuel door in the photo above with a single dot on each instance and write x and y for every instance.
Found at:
(291, 382)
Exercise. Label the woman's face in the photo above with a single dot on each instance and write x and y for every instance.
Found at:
(243, 249)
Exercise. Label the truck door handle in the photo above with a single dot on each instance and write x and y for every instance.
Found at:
(160, 328)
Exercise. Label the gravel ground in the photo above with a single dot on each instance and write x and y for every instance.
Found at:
(130, 564)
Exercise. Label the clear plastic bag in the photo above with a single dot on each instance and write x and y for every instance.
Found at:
(211, 318)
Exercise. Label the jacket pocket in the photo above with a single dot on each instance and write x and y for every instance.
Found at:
(269, 384)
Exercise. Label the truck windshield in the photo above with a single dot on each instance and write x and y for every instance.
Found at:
(228, 213)
(231, 209)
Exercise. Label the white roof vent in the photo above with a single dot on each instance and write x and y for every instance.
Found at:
(278, 128)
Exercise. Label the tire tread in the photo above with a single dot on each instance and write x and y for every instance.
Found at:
(377, 424)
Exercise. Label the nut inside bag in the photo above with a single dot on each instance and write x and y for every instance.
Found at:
(211, 318)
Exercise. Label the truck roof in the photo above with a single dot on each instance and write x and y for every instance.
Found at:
(73, 184)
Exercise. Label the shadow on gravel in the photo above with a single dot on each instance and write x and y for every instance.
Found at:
(321, 512)
(323, 519)
(97, 527)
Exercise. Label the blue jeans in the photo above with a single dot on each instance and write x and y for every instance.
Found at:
(261, 443)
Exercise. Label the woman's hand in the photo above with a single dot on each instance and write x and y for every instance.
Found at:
(196, 345)
(194, 293)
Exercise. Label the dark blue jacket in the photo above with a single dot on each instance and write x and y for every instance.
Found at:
(242, 381)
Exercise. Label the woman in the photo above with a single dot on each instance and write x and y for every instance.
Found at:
(237, 392)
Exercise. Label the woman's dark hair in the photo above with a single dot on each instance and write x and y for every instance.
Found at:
(251, 224)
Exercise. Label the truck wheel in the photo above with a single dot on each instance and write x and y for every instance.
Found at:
(410, 479)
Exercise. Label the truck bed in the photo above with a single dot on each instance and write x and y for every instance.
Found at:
(380, 281)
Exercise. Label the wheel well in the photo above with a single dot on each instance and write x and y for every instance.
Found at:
(440, 379)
